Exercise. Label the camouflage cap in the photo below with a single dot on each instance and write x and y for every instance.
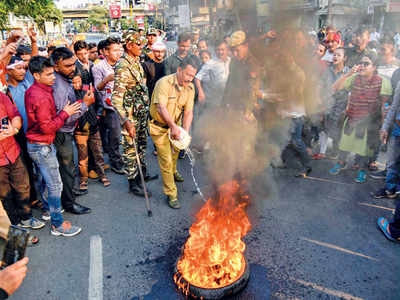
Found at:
(152, 31)
(132, 36)
(238, 38)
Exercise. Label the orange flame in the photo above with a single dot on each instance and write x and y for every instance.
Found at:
(213, 254)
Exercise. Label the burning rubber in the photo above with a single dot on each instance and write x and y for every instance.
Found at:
(213, 264)
(212, 294)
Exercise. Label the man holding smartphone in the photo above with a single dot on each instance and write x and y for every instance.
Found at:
(13, 174)
(43, 123)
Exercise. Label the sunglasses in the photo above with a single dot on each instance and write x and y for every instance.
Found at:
(365, 63)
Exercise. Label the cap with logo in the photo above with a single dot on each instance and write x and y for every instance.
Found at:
(238, 38)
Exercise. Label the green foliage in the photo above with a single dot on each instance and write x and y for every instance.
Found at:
(125, 23)
(39, 11)
(82, 26)
(98, 17)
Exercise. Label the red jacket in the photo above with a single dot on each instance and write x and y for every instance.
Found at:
(43, 121)
(9, 149)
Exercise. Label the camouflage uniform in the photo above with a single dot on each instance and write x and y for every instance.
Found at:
(130, 98)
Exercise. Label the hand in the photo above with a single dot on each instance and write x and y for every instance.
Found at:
(89, 98)
(383, 135)
(72, 109)
(130, 128)
(201, 97)
(77, 82)
(32, 35)
(175, 133)
(15, 35)
(109, 78)
(12, 276)
(355, 69)
(11, 49)
(271, 34)
(7, 131)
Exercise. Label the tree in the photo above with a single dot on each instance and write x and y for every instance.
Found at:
(98, 17)
(39, 11)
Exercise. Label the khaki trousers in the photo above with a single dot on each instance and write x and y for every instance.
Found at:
(167, 158)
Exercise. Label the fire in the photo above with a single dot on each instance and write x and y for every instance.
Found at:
(213, 254)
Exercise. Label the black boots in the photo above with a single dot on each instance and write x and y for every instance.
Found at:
(136, 187)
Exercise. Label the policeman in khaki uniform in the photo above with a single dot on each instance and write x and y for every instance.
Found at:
(130, 98)
(172, 106)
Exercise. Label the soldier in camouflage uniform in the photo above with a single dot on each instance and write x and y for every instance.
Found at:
(147, 52)
(130, 98)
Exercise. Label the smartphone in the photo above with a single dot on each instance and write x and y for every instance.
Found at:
(15, 247)
(4, 123)
(19, 42)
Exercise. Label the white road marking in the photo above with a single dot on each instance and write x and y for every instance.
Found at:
(339, 294)
(96, 269)
(338, 248)
(377, 206)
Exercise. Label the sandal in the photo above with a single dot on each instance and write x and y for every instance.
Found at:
(373, 166)
(383, 225)
(83, 186)
(173, 203)
(318, 156)
(105, 181)
(33, 240)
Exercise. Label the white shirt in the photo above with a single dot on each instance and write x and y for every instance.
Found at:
(213, 76)
(328, 56)
(375, 36)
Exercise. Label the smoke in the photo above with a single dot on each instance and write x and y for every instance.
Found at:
(284, 66)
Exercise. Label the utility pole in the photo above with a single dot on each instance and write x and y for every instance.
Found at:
(330, 16)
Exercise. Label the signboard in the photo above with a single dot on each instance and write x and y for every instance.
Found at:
(184, 16)
(49, 27)
(139, 20)
(115, 11)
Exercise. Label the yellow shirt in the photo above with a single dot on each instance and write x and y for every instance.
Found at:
(176, 98)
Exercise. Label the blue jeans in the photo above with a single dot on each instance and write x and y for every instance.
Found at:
(296, 139)
(44, 156)
(393, 163)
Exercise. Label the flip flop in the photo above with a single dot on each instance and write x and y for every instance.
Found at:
(33, 240)
(383, 225)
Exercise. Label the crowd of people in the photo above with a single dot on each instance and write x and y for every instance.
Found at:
(339, 94)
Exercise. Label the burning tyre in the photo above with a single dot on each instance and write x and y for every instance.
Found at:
(213, 265)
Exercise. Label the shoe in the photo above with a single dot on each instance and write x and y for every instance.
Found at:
(119, 171)
(336, 169)
(148, 178)
(383, 225)
(362, 177)
(397, 191)
(378, 174)
(173, 202)
(46, 216)
(80, 192)
(304, 172)
(106, 167)
(93, 174)
(31, 223)
(383, 193)
(182, 154)
(136, 188)
(178, 177)
(78, 209)
(65, 229)
(318, 156)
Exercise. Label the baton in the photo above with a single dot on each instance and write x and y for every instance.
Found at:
(146, 196)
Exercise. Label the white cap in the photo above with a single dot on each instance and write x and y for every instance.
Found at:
(159, 46)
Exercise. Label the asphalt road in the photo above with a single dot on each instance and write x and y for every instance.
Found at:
(310, 240)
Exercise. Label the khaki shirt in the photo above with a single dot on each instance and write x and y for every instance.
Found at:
(176, 98)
